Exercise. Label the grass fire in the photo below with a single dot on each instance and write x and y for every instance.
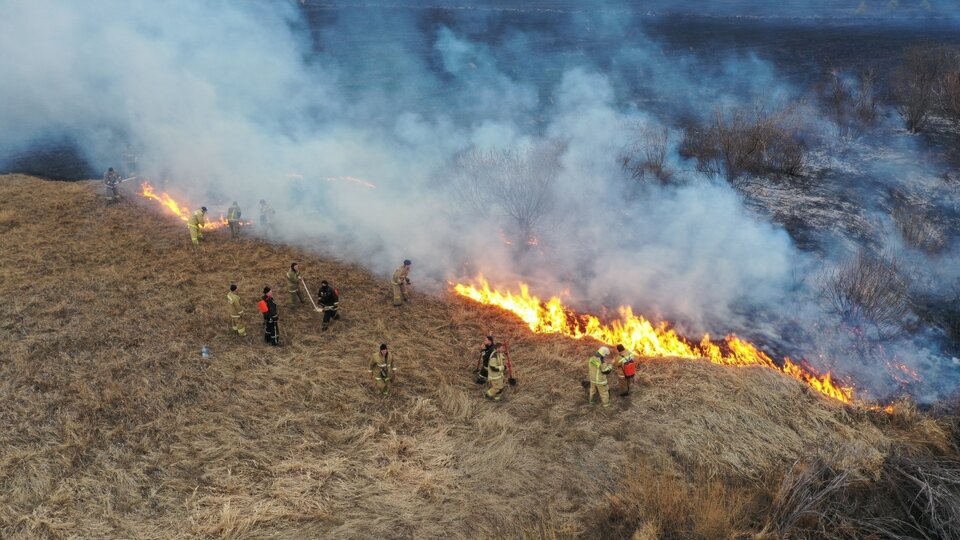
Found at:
(640, 335)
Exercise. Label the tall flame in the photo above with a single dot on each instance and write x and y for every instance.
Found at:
(640, 335)
(177, 209)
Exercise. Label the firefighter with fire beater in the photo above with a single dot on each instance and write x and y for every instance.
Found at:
(598, 372)
(195, 224)
(293, 286)
(233, 219)
(401, 283)
(382, 369)
(483, 362)
(271, 318)
(628, 367)
(235, 310)
(111, 179)
(496, 367)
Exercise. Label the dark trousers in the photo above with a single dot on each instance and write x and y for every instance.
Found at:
(271, 332)
(328, 315)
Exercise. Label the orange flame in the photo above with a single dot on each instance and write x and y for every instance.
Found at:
(640, 335)
(177, 209)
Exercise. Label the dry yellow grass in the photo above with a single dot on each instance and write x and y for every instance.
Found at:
(115, 427)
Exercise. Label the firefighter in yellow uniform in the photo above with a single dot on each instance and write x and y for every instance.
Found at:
(382, 369)
(196, 222)
(293, 285)
(495, 369)
(233, 219)
(400, 283)
(236, 311)
(598, 376)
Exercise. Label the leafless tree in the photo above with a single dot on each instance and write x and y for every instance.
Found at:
(919, 83)
(516, 181)
(866, 107)
(645, 156)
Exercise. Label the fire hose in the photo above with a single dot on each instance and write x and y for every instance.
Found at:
(307, 289)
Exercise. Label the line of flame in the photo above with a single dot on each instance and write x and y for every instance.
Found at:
(640, 335)
(180, 210)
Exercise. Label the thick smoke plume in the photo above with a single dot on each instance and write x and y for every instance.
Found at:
(290, 103)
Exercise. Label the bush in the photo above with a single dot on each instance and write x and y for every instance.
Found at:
(868, 291)
(646, 156)
(925, 84)
(743, 143)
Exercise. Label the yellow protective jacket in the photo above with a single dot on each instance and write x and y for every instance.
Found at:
(598, 370)
(400, 274)
(382, 368)
(233, 305)
(233, 213)
(495, 368)
(197, 219)
(293, 281)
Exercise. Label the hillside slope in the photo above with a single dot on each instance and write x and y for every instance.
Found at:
(116, 427)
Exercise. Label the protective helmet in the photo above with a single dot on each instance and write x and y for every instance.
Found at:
(203, 209)
(406, 262)
(603, 351)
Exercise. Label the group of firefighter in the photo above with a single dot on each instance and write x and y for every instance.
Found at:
(493, 364)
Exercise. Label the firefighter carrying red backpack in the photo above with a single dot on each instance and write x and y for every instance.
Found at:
(628, 364)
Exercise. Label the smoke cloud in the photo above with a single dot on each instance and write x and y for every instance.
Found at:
(305, 105)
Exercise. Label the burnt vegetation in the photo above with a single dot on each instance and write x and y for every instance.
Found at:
(926, 84)
(744, 143)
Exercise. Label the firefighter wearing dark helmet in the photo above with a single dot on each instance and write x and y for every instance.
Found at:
(293, 285)
(195, 224)
(382, 369)
(598, 376)
(400, 283)
(111, 179)
(495, 368)
(329, 300)
(271, 331)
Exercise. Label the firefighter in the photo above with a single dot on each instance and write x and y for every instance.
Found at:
(236, 311)
(401, 282)
(598, 376)
(233, 219)
(271, 330)
(111, 179)
(195, 225)
(329, 300)
(495, 368)
(267, 217)
(628, 366)
(484, 361)
(382, 369)
(293, 285)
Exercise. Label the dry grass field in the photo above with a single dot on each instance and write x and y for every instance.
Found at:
(115, 427)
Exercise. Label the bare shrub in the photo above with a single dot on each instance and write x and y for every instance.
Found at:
(518, 182)
(868, 291)
(920, 81)
(850, 101)
(646, 155)
(743, 143)
(918, 229)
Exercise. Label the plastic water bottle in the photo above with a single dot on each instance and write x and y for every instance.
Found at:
(205, 352)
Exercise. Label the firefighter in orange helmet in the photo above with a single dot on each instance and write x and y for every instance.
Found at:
(598, 376)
